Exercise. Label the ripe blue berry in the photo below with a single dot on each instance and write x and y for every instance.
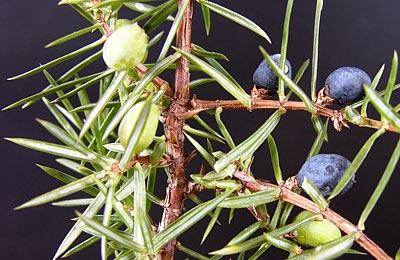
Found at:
(265, 77)
(345, 84)
(325, 172)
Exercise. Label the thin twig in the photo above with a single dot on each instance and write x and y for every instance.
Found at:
(173, 202)
(143, 160)
(291, 197)
(159, 82)
(100, 19)
(197, 106)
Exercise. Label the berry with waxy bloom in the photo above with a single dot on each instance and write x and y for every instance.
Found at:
(315, 233)
(325, 171)
(345, 85)
(125, 48)
(265, 77)
(128, 123)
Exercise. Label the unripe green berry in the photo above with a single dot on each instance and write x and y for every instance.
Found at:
(128, 123)
(122, 22)
(125, 48)
(316, 233)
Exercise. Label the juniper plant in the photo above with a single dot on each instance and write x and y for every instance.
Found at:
(120, 179)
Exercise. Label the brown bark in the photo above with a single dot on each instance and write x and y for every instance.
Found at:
(289, 196)
(173, 130)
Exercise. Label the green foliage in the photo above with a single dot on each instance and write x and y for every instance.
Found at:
(116, 186)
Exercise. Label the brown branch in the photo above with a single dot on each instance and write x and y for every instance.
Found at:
(289, 196)
(175, 192)
(197, 106)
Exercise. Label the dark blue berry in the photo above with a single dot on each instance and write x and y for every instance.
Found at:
(325, 172)
(345, 84)
(265, 77)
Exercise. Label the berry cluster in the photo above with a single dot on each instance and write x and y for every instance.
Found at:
(127, 47)
(343, 86)
(324, 171)
(123, 50)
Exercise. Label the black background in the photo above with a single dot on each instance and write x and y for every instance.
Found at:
(353, 33)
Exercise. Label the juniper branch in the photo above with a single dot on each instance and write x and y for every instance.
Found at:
(197, 106)
(291, 197)
(173, 131)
